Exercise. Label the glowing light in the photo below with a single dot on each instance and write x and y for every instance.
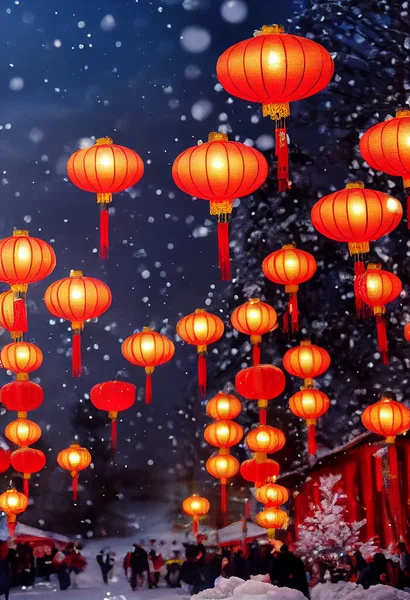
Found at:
(393, 205)
(273, 58)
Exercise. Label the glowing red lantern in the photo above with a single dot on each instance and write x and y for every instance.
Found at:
(223, 406)
(274, 69)
(77, 299)
(23, 432)
(74, 459)
(222, 466)
(309, 404)
(254, 318)
(290, 267)
(13, 503)
(7, 315)
(377, 288)
(105, 169)
(4, 460)
(220, 171)
(114, 397)
(259, 473)
(200, 329)
(264, 440)
(387, 418)
(195, 506)
(272, 495)
(272, 519)
(306, 361)
(223, 434)
(261, 383)
(27, 461)
(21, 396)
(22, 358)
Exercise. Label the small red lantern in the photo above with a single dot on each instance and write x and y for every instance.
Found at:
(74, 459)
(195, 506)
(4, 460)
(77, 299)
(200, 329)
(261, 383)
(21, 396)
(254, 318)
(22, 358)
(148, 349)
(259, 473)
(105, 169)
(23, 432)
(309, 404)
(7, 315)
(114, 397)
(222, 466)
(272, 495)
(13, 503)
(377, 288)
(306, 361)
(223, 406)
(264, 440)
(223, 434)
(27, 461)
(272, 519)
(290, 267)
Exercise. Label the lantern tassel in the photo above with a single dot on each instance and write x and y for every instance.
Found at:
(285, 322)
(282, 155)
(195, 525)
(76, 354)
(256, 355)
(361, 307)
(148, 386)
(382, 338)
(224, 259)
(114, 435)
(20, 314)
(11, 521)
(224, 498)
(202, 374)
(293, 311)
(393, 463)
(262, 416)
(312, 446)
(75, 487)
(104, 231)
(379, 473)
(26, 485)
(408, 211)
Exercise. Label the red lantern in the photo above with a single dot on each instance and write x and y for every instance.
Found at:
(310, 404)
(264, 440)
(7, 315)
(385, 147)
(105, 169)
(259, 473)
(200, 329)
(407, 332)
(272, 495)
(21, 396)
(195, 506)
(148, 349)
(23, 432)
(290, 267)
(261, 383)
(223, 434)
(27, 461)
(306, 361)
(254, 318)
(77, 299)
(13, 503)
(274, 69)
(357, 216)
(24, 260)
(272, 519)
(222, 466)
(220, 171)
(114, 397)
(223, 406)
(4, 460)
(22, 358)
(387, 418)
(376, 288)
(74, 459)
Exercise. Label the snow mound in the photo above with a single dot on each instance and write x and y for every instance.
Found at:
(351, 591)
(238, 589)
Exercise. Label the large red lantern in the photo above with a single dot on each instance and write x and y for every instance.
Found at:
(223, 434)
(105, 169)
(290, 267)
(259, 473)
(356, 216)
(223, 406)
(22, 358)
(261, 383)
(306, 361)
(385, 147)
(264, 440)
(195, 506)
(24, 260)
(200, 329)
(114, 397)
(254, 318)
(13, 503)
(220, 171)
(272, 519)
(23, 432)
(21, 396)
(74, 459)
(148, 349)
(274, 69)
(222, 466)
(376, 288)
(77, 299)
(272, 495)
(387, 418)
(27, 461)
(4, 460)
(309, 404)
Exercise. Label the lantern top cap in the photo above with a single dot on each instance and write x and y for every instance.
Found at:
(289, 247)
(386, 400)
(74, 446)
(376, 266)
(254, 300)
(402, 113)
(76, 273)
(200, 310)
(146, 329)
(354, 185)
(216, 136)
(267, 29)
(305, 343)
(103, 141)
(20, 233)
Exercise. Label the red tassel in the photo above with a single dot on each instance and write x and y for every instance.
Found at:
(293, 311)
(114, 434)
(26, 487)
(393, 463)
(282, 154)
(382, 338)
(195, 525)
(247, 509)
(285, 322)
(224, 259)
(202, 374)
(361, 308)
(262, 416)
(256, 355)
(224, 498)
(104, 231)
(20, 315)
(408, 211)
(75, 487)
(148, 388)
(12, 528)
(379, 473)
(76, 354)
(312, 447)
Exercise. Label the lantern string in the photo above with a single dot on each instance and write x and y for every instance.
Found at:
(262, 416)
(256, 355)
(224, 260)
(382, 338)
(282, 155)
(224, 499)
(312, 447)
(75, 487)
(202, 374)
(104, 231)
(20, 312)
(148, 388)
(76, 354)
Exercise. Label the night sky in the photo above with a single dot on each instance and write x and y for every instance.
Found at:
(72, 71)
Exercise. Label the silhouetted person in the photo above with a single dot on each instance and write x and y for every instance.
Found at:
(138, 565)
(375, 573)
(5, 580)
(287, 570)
